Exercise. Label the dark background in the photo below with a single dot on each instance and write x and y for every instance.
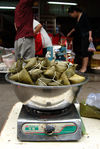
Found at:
(7, 31)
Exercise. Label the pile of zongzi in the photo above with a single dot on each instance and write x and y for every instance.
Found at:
(42, 72)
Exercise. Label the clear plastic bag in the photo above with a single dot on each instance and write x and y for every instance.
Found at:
(91, 47)
(93, 100)
(8, 59)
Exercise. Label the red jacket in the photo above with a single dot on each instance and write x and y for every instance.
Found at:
(24, 19)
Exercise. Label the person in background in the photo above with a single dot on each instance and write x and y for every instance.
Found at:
(44, 39)
(82, 35)
(24, 41)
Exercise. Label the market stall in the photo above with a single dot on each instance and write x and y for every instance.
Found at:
(48, 114)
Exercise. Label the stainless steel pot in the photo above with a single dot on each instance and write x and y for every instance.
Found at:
(46, 97)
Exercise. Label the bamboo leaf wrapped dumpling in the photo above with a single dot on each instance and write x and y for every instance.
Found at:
(30, 59)
(41, 58)
(31, 63)
(14, 77)
(64, 79)
(39, 82)
(43, 64)
(61, 67)
(57, 75)
(89, 111)
(76, 79)
(13, 68)
(55, 83)
(71, 71)
(35, 73)
(50, 72)
(16, 67)
(45, 80)
(50, 63)
(22, 77)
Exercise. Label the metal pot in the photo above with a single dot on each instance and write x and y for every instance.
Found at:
(46, 97)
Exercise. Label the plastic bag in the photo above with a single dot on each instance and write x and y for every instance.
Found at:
(91, 47)
(93, 100)
(8, 59)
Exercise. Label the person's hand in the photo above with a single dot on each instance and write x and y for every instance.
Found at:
(90, 39)
(59, 43)
(35, 34)
(68, 35)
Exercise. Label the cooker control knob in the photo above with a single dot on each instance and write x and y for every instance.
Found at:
(49, 129)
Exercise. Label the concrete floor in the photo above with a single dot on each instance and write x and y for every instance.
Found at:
(8, 98)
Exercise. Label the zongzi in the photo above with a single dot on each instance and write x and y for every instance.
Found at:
(22, 77)
(64, 79)
(16, 67)
(35, 73)
(70, 71)
(45, 80)
(31, 64)
(76, 79)
(61, 67)
(57, 75)
(41, 71)
(39, 82)
(41, 58)
(55, 83)
(50, 72)
(44, 63)
(28, 60)
(89, 111)
(50, 63)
